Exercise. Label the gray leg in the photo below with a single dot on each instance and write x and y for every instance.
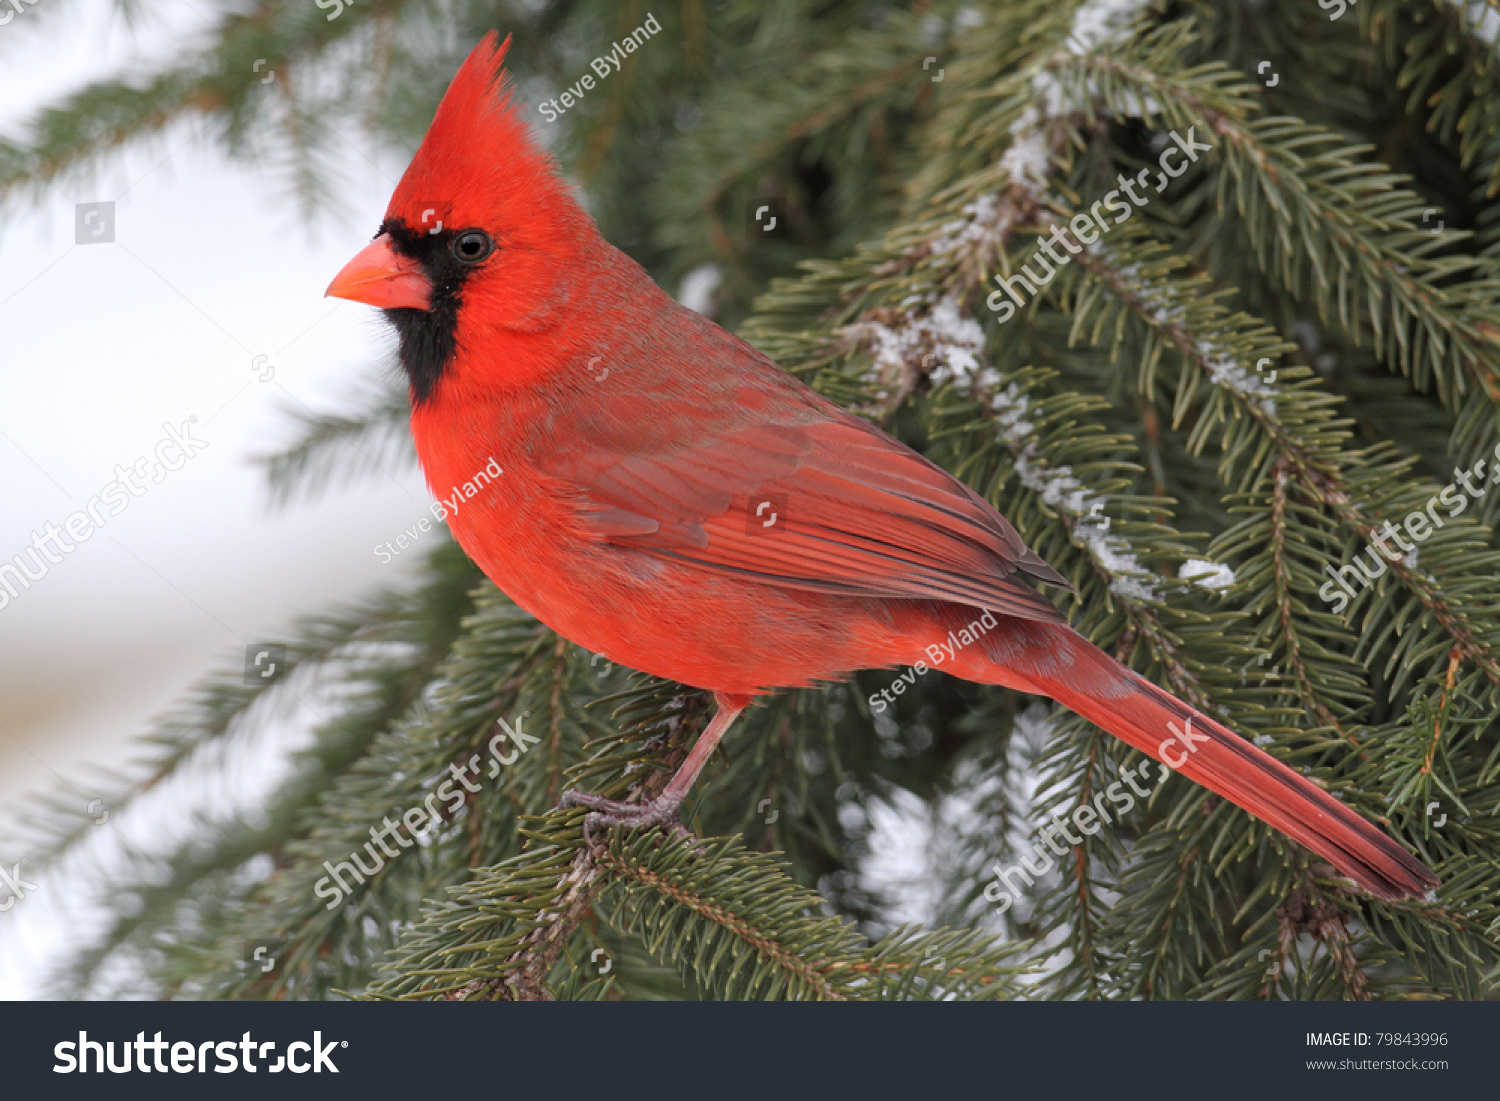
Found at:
(663, 810)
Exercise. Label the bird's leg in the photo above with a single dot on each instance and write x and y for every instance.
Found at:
(663, 810)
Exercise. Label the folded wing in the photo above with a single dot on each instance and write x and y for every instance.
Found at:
(827, 505)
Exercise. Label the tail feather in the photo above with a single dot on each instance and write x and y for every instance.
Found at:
(1205, 751)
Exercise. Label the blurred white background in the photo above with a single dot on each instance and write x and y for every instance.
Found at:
(101, 344)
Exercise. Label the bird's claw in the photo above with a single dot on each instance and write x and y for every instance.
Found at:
(607, 813)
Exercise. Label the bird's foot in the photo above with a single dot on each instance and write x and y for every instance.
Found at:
(607, 814)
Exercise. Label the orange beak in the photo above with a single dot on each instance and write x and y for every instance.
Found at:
(380, 276)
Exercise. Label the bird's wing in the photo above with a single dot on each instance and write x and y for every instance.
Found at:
(830, 505)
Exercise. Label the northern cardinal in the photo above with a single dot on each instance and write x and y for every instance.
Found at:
(673, 500)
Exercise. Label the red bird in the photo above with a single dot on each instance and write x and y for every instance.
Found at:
(639, 444)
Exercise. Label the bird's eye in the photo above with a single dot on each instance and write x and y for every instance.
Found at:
(472, 246)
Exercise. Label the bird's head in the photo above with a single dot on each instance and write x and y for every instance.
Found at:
(480, 235)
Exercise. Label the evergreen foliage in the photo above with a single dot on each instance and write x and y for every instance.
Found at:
(1258, 368)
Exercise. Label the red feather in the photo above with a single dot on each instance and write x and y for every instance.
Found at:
(638, 441)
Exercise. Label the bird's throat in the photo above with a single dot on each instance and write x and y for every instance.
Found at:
(427, 342)
(427, 338)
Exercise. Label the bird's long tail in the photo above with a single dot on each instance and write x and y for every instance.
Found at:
(1083, 678)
